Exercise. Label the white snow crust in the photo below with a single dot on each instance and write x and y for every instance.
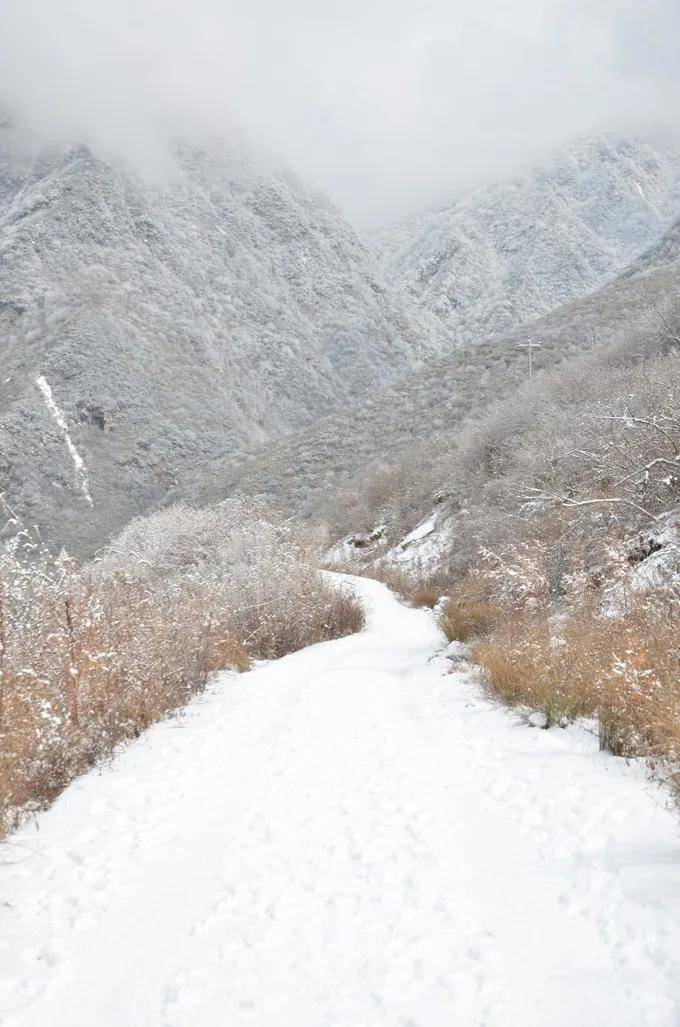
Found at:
(60, 418)
(422, 531)
(348, 837)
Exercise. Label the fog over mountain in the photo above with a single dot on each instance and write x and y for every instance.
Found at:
(389, 107)
(508, 253)
(631, 313)
(172, 296)
(173, 324)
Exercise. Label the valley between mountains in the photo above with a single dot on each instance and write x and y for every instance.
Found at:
(339, 592)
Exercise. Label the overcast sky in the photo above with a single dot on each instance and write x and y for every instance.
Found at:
(389, 106)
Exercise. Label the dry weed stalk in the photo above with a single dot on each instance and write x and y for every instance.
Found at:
(92, 656)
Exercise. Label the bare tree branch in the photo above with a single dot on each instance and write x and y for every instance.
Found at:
(535, 495)
(630, 419)
(675, 464)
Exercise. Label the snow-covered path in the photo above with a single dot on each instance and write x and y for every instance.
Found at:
(347, 838)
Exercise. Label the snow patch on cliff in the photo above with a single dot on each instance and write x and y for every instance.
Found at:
(82, 479)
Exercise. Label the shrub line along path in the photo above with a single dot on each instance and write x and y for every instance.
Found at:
(348, 837)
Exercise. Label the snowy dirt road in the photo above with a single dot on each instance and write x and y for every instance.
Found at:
(349, 837)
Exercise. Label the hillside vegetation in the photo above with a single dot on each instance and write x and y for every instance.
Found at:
(511, 252)
(175, 321)
(557, 543)
(93, 655)
(304, 472)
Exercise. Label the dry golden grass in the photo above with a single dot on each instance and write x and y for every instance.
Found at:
(635, 662)
(462, 622)
(425, 595)
(88, 660)
(524, 666)
(471, 610)
(625, 672)
(622, 671)
(87, 666)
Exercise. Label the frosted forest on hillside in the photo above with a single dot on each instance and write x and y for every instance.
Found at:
(339, 514)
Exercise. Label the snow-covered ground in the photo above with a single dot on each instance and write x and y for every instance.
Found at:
(348, 837)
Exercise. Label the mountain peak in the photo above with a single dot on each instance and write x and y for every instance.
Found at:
(510, 252)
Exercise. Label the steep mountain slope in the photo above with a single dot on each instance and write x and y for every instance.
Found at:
(664, 251)
(147, 327)
(302, 471)
(506, 254)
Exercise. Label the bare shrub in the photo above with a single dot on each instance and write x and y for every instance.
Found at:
(91, 656)
(387, 493)
(426, 594)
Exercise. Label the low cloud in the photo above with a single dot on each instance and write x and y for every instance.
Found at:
(388, 106)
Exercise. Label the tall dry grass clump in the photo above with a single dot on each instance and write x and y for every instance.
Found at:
(91, 656)
(635, 660)
(624, 672)
(471, 608)
(577, 652)
(526, 664)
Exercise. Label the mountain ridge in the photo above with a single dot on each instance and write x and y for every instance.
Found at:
(302, 472)
(507, 253)
(175, 322)
(227, 329)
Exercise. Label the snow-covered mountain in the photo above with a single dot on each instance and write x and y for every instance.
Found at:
(153, 335)
(146, 327)
(506, 254)
(303, 471)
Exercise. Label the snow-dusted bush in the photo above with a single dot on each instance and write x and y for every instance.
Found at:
(563, 559)
(92, 655)
(88, 661)
(262, 572)
(599, 646)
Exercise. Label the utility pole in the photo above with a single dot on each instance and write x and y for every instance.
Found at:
(530, 346)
